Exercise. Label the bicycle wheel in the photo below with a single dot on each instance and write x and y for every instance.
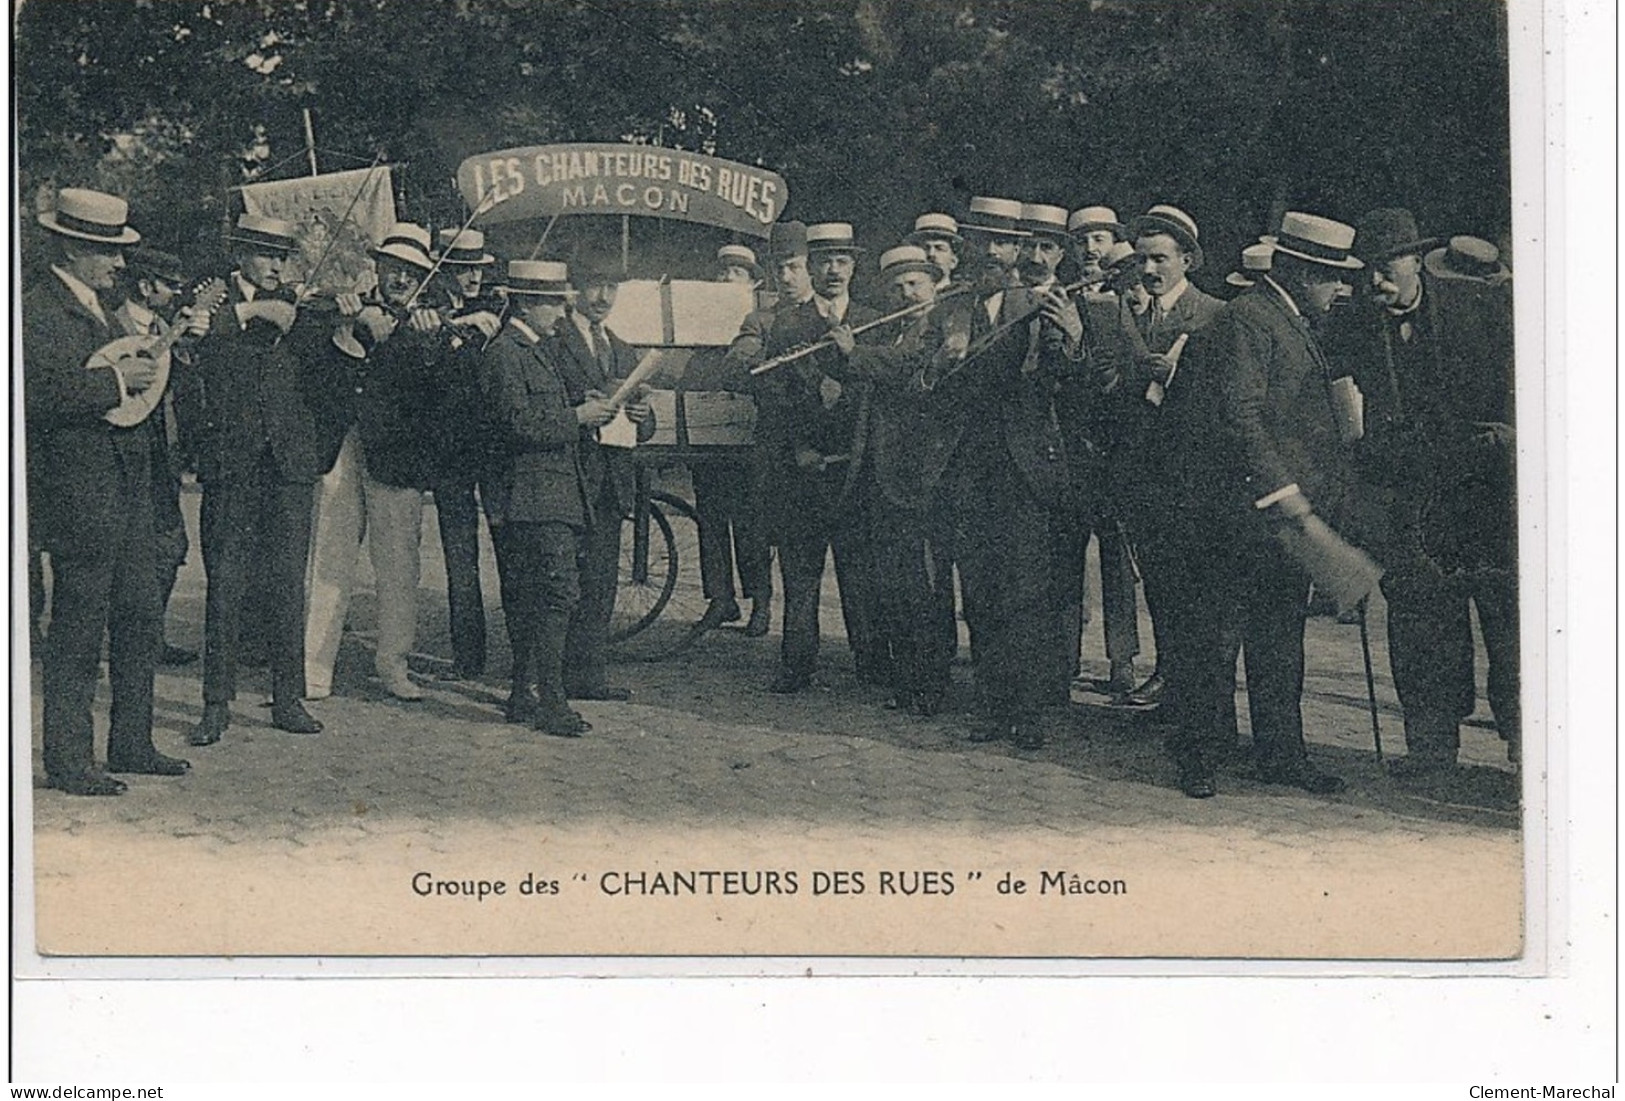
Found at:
(642, 594)
(686, 603)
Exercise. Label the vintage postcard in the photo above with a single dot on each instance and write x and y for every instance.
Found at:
(1035, 483)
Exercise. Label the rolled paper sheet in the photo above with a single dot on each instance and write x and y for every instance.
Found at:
(1159, 390)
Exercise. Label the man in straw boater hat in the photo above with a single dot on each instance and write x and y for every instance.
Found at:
(811, 434)
(1264, 457)
(1001, 468)
(595, 360)
(1094, 230)
(938, 235)
(1169, 246)
(381, 372)
(912, 549)
(471, 322)
(258, 456)
(90, 502)
(537, 497)
(1255, 259)
(725, 498)
(1431, 354)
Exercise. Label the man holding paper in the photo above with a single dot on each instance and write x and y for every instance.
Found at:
(596, 365)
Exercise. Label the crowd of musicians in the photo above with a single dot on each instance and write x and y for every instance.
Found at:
(1042, 378)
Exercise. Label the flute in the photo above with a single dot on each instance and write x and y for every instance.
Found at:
(999, 332)
(829, 342)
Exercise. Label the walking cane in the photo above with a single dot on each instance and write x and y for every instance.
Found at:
(1370, 682)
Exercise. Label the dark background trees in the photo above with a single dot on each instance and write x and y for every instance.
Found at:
(874, 110)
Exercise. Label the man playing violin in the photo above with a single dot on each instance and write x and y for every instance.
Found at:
(258, 456)
(90, 503)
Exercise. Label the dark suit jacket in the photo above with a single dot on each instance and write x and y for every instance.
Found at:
(1424, 455)
(76, 460)
(251, 387)
(1005, 398)
(536, 473)
(1255, 412)
(604, 467)
(793, 415)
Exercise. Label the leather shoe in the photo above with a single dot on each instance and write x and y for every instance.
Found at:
(1145, 697)
(522, 706)
(611, 693)
(293, 718)
(154, 764)
(788, 683)
(560, 722)
(212, 727)
(761, 617)
(89, 782)
(1121, 681)
(1303, 775)
(176, 655)
(724, 609)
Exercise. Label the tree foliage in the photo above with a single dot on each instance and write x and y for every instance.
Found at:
(873, 109)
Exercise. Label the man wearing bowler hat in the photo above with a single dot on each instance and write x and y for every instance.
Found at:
(594, 361)
(1263, 455)
(1168, 243)
(811, 431)
(90, 502)
(258, 457)
(1431, 354)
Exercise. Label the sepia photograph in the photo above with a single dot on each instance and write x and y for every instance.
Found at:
(1037, 481)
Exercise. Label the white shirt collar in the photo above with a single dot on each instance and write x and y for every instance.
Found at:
(247, 289)
(1402, 311)
(1280, 290)
(144, 319)
(1167, 298)
(81, 291)
(584, 327)
(832, 309)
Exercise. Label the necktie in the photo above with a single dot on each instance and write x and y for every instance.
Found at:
(601, 351)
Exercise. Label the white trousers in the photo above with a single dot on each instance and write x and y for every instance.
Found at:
(349, 504)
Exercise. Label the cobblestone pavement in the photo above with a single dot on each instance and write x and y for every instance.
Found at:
(704, 747)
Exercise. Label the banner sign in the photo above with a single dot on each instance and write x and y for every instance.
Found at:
(541, 181)
(358, 207)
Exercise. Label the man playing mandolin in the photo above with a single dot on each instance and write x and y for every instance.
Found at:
(90, 501)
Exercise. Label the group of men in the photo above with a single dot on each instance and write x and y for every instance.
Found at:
(990, 424)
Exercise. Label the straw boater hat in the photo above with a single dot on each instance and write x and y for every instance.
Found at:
(1000, 217)
(907, 258)
(538, 279)
(1174, 222)
(1043, 220)
(934, 227)
(407, 243)
(1255, 260)
(739, 256)
(264, 234)
(1389, 232)
(1317, 240)
(463, 249)
(1470, 259)
(1091, 218)
(831, 237)
(90, 216)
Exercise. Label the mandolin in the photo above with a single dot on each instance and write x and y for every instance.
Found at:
(132, 409)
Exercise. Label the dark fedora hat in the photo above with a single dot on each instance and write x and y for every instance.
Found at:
(787, 240)
(1387, 232)
(595, 271)
(154, 263)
